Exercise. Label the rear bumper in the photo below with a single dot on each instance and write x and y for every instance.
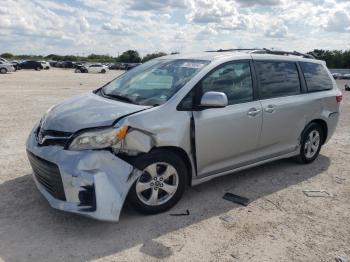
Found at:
(95, 183)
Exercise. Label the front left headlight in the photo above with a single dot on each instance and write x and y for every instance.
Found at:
(106, 138)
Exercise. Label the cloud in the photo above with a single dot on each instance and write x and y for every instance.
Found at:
(156, 5)
(112, 26)
(338, 22)
(258, 2)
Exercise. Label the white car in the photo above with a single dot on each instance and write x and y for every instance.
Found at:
(97, 68)
(45, 64)
(6, 67)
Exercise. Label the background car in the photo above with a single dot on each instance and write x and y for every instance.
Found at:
(337, 76)
(31, 65)
(6, 67)
(129, 66)
(346, 76)
(96, 68)
(45, 64)
(80, 69)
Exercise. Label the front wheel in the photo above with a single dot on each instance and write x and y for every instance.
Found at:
(103, 71)
(3, 71)
(311, 143)
(161, 184)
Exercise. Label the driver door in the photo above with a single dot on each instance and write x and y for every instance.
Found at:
(226, 138)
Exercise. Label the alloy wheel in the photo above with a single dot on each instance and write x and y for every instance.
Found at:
(312, 144)
(157, 184)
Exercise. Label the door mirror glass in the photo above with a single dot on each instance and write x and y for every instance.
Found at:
(214, 100)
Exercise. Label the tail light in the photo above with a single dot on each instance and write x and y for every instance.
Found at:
(339, 98)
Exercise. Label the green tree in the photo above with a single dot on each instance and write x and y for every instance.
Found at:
(130, 56)
(7, 55)
(152, 56)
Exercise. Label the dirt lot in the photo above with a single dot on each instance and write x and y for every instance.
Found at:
(281, 223)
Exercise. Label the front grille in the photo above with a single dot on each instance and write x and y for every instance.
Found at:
(48, 175)
(52, 137)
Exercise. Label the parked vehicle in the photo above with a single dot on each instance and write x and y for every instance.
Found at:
(15, 64)
(67, 64)
(94, 68)
(31, 65)
(80, 69)
(337, 76)
(46, 65)
(180, 120)
(129, 66)
(6, 67)
(346, 76)
(115, 66)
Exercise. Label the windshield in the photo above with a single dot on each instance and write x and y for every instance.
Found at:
(154, 82)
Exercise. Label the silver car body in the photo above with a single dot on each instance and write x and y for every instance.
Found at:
(9, 67)
(212, 142)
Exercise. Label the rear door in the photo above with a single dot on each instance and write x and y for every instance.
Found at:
(226, 138)
(284, 106)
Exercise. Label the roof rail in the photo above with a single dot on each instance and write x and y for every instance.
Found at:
(234, 49)
(266, 51)
(276, 52)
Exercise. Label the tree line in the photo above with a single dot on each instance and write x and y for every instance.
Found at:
(333, 58)
(130, 56)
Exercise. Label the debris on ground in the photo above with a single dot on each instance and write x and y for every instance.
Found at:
(187, 213)
(339, 180)
(317, 193)
(236, 199)
(341, 259)
(227, 218)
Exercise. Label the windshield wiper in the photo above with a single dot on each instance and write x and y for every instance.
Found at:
(120, 97)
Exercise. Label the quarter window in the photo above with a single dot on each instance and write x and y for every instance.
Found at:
(233, 79)
(277, 79)
(316, 76)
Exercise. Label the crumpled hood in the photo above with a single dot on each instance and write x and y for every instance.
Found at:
(86, 111)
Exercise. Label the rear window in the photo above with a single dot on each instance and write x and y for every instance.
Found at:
(277, 79)
(316, 76)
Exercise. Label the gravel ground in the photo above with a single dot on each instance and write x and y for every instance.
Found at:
(280, 224)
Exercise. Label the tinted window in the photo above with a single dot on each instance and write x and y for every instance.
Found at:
(278, 79)
(316, 76)
(232, 79)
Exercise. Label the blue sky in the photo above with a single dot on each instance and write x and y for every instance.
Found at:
(111, 27)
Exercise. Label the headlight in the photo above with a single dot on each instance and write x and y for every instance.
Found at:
(99, 139)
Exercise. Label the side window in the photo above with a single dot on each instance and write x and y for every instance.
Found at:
(233, 79)
(316, 76)
(277, 79)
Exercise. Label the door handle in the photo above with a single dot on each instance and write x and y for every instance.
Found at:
(270, 109)
(253, 112)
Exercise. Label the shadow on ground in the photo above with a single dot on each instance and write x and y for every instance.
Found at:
(32, 231)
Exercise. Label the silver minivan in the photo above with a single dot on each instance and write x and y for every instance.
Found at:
(178, 121)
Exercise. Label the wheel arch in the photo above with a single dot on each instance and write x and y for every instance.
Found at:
(183, 155)
(324, 126)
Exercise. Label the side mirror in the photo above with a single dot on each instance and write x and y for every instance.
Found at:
(214, 100)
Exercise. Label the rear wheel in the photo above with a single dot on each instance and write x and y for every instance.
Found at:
(38, 69)
(311, 143)
(103, 71)
(3, 70)
(162, 183)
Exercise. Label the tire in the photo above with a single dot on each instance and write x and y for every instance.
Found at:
(77, 71)
(3, 71)
(103, 71)
(311, 143)
(38, 69)
(146, 186)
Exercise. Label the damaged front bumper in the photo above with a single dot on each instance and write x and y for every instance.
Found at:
(92, 183)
